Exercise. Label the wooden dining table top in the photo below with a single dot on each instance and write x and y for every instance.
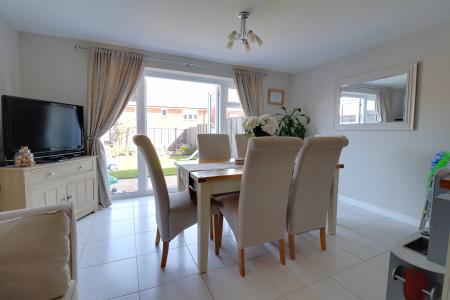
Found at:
(215, 171)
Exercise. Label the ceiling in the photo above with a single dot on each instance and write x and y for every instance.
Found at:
(398, 81)
(297, 34)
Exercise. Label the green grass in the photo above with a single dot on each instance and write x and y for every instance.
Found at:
(180, 157)
(131, 174)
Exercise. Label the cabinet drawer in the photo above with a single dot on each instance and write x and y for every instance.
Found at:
(51, 172)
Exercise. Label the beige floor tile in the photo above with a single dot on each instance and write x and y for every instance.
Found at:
(327, 289)
(226, 283)
(290, 277)
(105, 251)
(109, 280)
(191, 288)
(365, 281)
(179, 265)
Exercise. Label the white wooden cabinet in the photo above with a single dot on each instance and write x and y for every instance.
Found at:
(73, 180)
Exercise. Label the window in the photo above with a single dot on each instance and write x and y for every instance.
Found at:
(358, 108)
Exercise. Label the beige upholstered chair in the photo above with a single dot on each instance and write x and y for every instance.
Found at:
(241, 142)
(174, 212)
(38, 253)
(311, 185)
(213, 148)
(258, 213)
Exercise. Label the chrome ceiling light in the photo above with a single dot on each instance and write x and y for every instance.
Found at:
(246, 37)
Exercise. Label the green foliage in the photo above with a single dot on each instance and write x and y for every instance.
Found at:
(186, 149)
(290, 124)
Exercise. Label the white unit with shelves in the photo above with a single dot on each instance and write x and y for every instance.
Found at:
(73, 180)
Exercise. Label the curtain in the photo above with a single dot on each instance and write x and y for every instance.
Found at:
(385, 98)
(250, 90)
(113, 75)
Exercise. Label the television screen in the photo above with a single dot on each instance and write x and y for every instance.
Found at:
(48, 128)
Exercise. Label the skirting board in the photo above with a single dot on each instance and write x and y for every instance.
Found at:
(381, 211)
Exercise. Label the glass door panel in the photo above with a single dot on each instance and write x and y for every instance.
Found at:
(121, 153)
(176, 111)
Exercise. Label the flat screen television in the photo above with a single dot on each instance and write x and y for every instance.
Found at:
(51, 130)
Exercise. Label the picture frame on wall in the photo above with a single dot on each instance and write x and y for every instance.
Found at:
(276, 97)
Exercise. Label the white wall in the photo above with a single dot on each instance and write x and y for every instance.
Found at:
(9, 60)
(387, 169)
(53, 69)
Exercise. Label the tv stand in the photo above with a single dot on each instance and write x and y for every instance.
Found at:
(70, 181)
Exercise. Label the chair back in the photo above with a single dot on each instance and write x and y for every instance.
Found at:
(241, 142)
(38, 256)
(162, 204)
(311, 183)
(213, 148)
(264, 192)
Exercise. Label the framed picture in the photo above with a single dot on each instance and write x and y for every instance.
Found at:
(276, 97)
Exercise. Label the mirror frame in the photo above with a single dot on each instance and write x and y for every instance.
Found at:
(410, 98)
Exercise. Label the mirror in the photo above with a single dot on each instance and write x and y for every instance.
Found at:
(382, 100)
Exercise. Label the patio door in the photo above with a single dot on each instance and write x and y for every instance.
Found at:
(171, 109)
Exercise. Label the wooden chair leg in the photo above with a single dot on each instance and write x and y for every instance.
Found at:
(291, 247)
(241, 262)
(323, 239)
(211, 228)
(216, 233)
(165, 252)
(219, 236)
(158, 237)
(281, 250)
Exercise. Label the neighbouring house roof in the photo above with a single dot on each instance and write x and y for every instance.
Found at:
(175, 103)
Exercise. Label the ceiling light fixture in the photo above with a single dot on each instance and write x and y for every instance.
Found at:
(246, 37)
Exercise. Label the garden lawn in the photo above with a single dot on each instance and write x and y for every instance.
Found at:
(131, 174)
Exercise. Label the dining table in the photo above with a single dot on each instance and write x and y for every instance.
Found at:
(212, 178)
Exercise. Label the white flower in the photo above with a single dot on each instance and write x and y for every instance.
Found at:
(250, 123)
(271, 126)
(264, 118)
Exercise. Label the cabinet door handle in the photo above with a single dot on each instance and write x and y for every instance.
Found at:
(69, 197)
(80, 168)
(50, 174)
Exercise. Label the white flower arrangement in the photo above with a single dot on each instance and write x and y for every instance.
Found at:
(264, 125)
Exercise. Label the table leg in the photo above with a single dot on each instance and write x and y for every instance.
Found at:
(180, 180)
(332, 206)
(203, 212)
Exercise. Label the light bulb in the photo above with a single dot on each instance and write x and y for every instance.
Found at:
(246, 45)
(230, 44)
(251, 36)
(232, 35)
(259, 41)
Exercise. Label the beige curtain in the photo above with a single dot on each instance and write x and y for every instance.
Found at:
(114, 75)
(250, 90)
(385, 105)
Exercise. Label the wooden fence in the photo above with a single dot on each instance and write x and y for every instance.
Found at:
(170, 139)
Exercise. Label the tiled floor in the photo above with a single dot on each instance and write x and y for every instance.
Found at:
(118, 259)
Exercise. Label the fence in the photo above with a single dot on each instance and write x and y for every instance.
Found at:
(170, 139)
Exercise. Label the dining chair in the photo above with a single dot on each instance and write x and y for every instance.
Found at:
(213, 148)
(258, 213)
(311, 185)
(174, 212)
(241, 142)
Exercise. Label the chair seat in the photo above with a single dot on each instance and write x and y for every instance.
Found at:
(223, 197)
(229, 208)
(180, 201)
(183, 212)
